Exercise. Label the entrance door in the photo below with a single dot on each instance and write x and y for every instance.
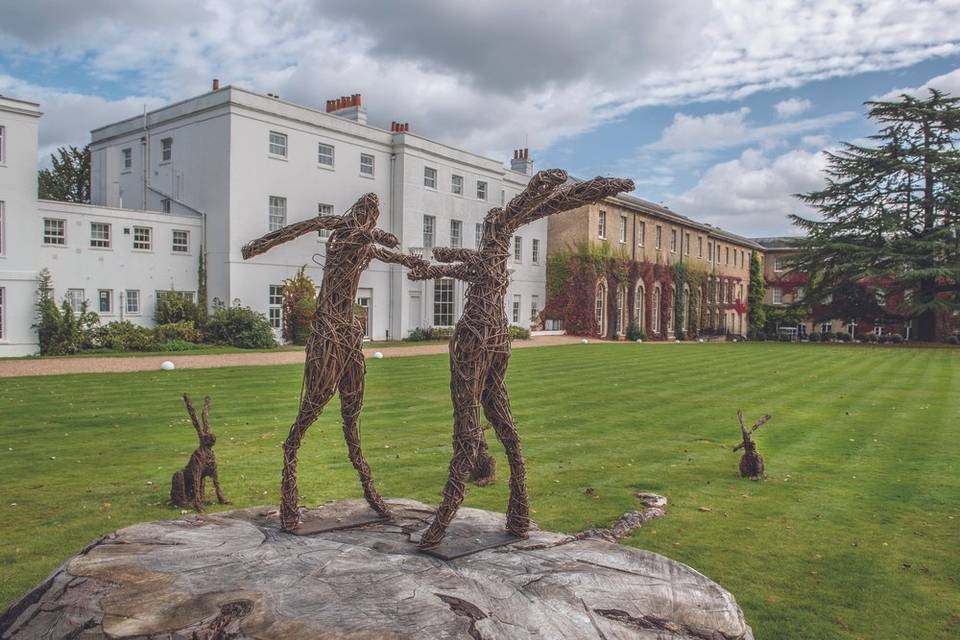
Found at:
(364, 301)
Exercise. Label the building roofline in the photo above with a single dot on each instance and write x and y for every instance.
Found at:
(229, 91)
(42, 202)
(24, 107)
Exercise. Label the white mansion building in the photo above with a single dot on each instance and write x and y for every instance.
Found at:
(216, 171)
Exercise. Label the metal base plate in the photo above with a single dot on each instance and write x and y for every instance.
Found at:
(465, 538)
(327, 518)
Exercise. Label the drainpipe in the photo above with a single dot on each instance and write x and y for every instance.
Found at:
(392, 268)
(145, 147)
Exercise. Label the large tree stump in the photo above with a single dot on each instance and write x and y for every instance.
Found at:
(237, 575)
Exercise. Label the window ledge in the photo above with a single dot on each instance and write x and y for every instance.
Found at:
(274, 156)
(367, 176)
(55, 246)
(100, 248)
(325, 167)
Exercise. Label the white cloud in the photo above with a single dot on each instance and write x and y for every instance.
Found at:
(731, 129)
(792, 107)
(753, 194)
(482, 75)
(948, 83)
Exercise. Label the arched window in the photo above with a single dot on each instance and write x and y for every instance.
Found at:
(621, 310)
(671, 306)
(600, 310)
(686, 308)
(639, 305)
(656, 309)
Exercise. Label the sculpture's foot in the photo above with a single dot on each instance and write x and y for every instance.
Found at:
(380, 507)
(432, 536)
(518, 526)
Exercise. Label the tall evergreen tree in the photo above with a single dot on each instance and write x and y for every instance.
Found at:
(891, 209)
(68, 179)
(756, 314)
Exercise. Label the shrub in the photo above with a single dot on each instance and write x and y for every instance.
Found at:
(299, 302)
(885, 338)
(634, 333)
(519, 333)
(124, 336)
(784, 338)
(177, 331)
(175, 345)
(174, 307)
(441, 333)
(953, 340)
(239, 327)
(844, 337)
(872, 337)
(814, 336)
(896, 338)
(420, 334)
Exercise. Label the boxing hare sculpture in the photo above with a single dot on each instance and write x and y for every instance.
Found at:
(334, 356)
(480, 345)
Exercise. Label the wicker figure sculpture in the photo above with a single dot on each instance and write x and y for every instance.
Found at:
(188, 484)
(334, 359)
(480, 345)
(751, 462)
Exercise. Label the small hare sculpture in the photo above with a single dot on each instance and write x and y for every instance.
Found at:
(751, 462)
(187, 484)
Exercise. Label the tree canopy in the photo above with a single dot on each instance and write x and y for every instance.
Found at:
(890, 210)
(68, 178)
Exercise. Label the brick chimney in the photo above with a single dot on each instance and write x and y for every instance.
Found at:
(399, 127)
(216, 84)
(349, 107)
(521, 162)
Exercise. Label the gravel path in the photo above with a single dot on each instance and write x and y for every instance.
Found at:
(58, 366)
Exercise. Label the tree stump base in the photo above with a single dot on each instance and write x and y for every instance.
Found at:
(237, 575)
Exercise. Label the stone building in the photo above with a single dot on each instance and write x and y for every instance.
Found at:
(628, 260)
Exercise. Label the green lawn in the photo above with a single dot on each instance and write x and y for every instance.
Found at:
(856, 533)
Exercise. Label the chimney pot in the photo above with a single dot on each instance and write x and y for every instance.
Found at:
(216, 84)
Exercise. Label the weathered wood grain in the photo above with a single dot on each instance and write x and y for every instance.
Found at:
(236, 575)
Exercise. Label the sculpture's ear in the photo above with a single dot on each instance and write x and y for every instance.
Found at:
(193, 414)
(205, 416)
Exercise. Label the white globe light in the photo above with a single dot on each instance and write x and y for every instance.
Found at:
(166, 365)
(584, 341)
(700, 340)
(377, 355)
(639, 340)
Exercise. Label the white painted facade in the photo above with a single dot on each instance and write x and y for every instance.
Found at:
(221, 165)
(89, 250)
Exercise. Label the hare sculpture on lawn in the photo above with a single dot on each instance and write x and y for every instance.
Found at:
(187, 484)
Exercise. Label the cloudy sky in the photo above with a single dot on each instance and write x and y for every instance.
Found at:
(717, 109)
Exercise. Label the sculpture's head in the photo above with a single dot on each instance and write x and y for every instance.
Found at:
(207, 439)
(364, 213)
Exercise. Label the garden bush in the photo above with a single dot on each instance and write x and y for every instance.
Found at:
(872, 337)
(953, 340)
(174, 307)
(843, 337)
(420, 334)
(180, 331)
(814, 336)
(634, 333)
(519, 333)
(124, 336)
(896, 338)
(239, 327)
(441, 333)
(175, 345)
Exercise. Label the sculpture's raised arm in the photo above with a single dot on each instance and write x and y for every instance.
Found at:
(450, 254)
(458, 270)
(288, 233)
(394, 257)
(570, 197)
(385, 238)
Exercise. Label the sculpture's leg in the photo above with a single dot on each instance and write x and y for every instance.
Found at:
(197, 487)
(485, 470)
(496, 407)
(466, 371)
(321, 374)
(215, 476)
(351, 401)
